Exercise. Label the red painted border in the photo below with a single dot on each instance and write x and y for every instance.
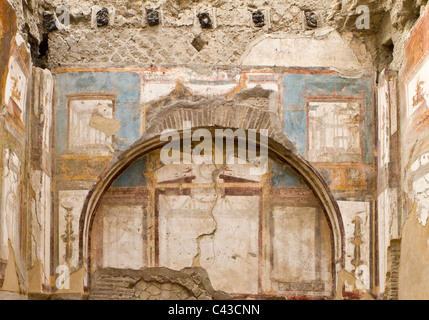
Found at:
(417, 45)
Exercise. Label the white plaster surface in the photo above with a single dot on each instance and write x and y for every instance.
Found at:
(327, 49)
(123, 237)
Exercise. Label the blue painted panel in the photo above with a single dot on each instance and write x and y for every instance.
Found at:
(294, 115)
(299, 86)
(323, 84)
(294, 88)
(126, 85)
(295, 123)
(133, 176)
(285, 176)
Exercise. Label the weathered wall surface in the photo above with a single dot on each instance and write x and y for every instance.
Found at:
(230, 223)
(13, 121)
(30, 26)
(8, 22)
(129, 40)
(40, 180)
(154, 284)
(301, 100)
(25, 126)
(304, 63)
(395, 21)
(390, 219)
(414, 158)
(413, 284)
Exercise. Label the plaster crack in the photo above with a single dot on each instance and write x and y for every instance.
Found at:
(215, 174)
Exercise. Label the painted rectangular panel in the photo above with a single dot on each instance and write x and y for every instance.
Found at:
(230, 255)
(83, 138)
(334, 132)
(10, 204)
(123, 237)
(16, 88)
(300, 88)
(294, 244)
(228, 239)
(181, 220)
(124, 85)
(294, 86)
(418, 89)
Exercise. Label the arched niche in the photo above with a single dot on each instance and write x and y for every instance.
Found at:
(323, 208)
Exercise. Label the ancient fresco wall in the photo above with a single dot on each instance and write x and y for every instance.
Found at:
(255, 236)
(26, 170)
(15, 73)
(60, 133)
(331, 120)
(40, 180)
(120, 105)
(9, 27)
(414, 150)
(390, 219)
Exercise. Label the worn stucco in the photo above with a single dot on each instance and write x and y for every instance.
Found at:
(340, 213)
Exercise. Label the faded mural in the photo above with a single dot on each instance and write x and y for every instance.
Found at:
(414, 79)
(232, 225)
(340, 213)
(257, 237)
(15, 81)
